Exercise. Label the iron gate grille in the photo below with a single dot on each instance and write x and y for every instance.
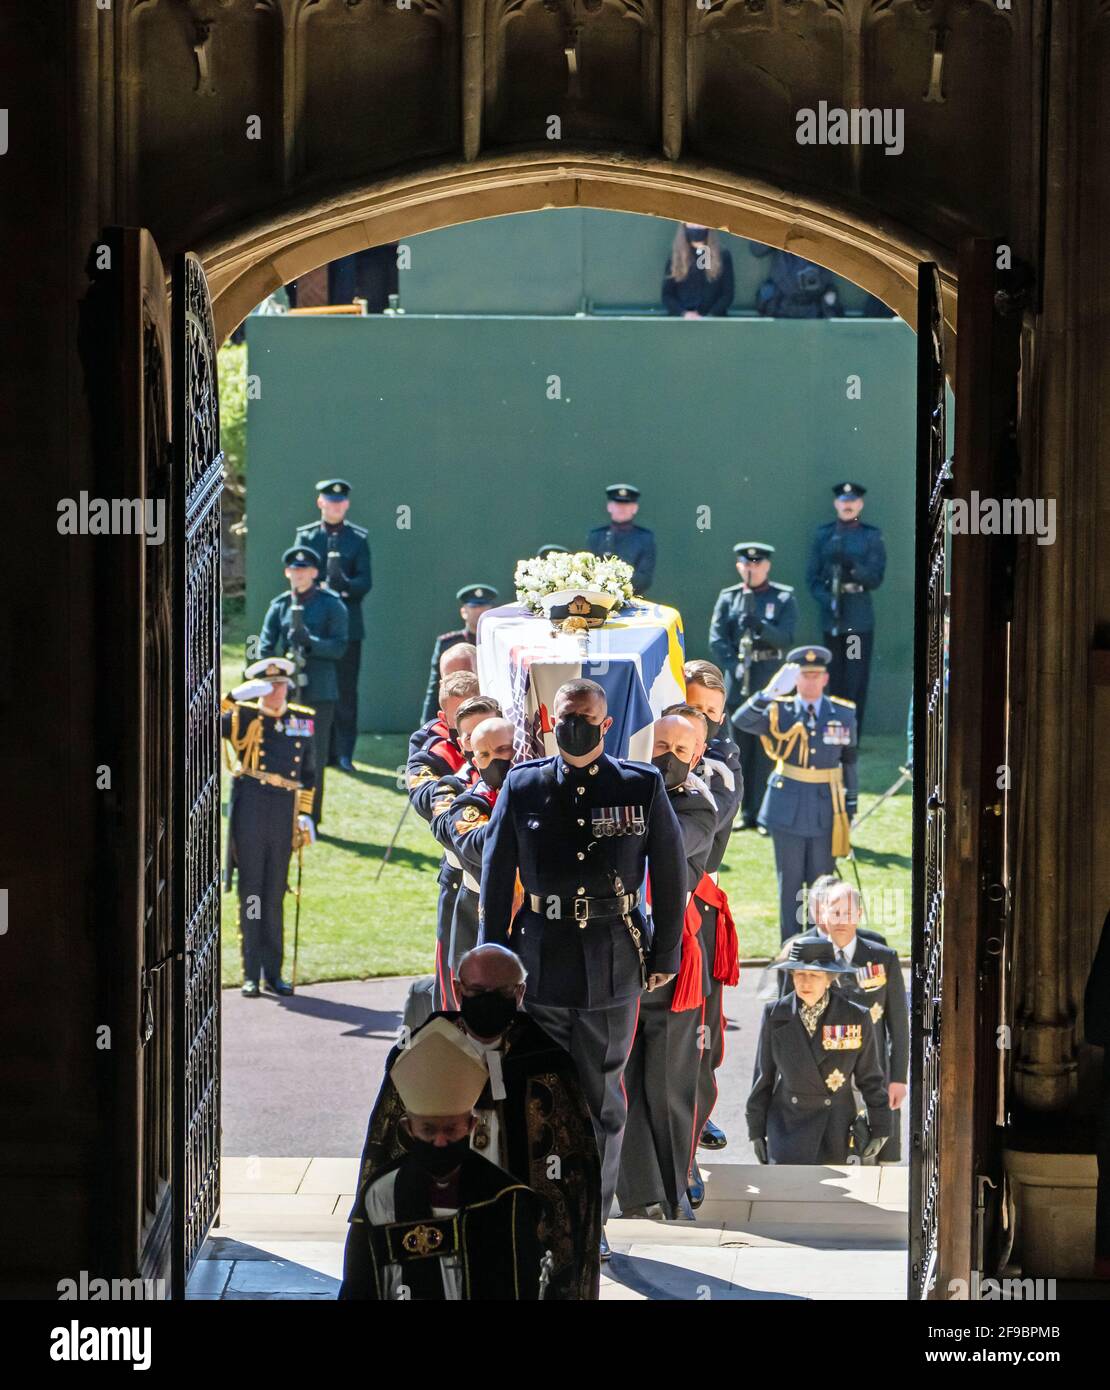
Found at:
(198, 466)
(930, 660)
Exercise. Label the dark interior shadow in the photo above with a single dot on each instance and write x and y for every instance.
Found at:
(659, 1281)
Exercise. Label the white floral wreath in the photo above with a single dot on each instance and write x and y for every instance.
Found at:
(536, 578)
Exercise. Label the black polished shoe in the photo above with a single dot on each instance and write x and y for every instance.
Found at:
(711, 1137)
(278, 987)
(695, 1187)
(345, 765)
(250, 989)
(606, 1253)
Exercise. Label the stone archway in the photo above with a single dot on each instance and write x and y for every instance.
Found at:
(250, 261)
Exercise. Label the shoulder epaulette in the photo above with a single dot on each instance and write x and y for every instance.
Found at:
(731, 588)
(789, 699)
(786, 588)
(839, 700)
(358, 530)
(308, 526)
(302, 709)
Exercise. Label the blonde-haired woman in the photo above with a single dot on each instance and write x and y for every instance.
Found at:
(697, 283)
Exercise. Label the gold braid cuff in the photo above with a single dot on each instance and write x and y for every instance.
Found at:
(304, 802)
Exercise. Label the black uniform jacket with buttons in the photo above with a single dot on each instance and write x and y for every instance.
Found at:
(770, 614)
(325, 620)
(438, 757)
(878, 985)
(801, 1087)
(349, 575)
(583, 832)
(460, 820)
(857, 550)
(635, 545)
(697, 819)
(722, 772)
(287, 749)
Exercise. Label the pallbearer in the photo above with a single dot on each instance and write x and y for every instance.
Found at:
(346, 554)
(750, 632)
(442, 1223)
(816, 1048)
(308, 624)
(661, 1076)
(721, 771)
(812, 792)
(271, 756)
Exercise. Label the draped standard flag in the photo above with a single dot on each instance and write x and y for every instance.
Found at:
(636, 657)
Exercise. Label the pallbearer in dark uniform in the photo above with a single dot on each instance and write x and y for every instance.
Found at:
(435, 751)
(346, 554)
(847, 560)
(635, 545)
(583, 829)
(749, 635)
(720, 769)
(442, 1223)
(1096, 1030)
(813, 789)
(532, 1117)
(877, 985)
(308, 624)
(270, 753)
(661, 1076)
(816, 1048)
(473, 600)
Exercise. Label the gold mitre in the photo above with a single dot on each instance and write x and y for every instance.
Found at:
(438, 1074)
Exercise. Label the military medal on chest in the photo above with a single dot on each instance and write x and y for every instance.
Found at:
(842, 1037)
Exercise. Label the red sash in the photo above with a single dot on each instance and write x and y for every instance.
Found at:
(726, 957)
(688, 991)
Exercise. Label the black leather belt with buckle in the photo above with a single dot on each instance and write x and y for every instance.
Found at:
(584, 909)
(767, 654)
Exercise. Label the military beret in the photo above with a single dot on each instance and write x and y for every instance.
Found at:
(753, 550)
(476, 595)
(622, 492)
(811, 658)
(301, 557)
(849, 491)
(334, 488)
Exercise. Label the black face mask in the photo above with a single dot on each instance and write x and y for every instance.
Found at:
(488, 1014)
(453, 737)
(576, 735)
(674, 770)
(438, 1160)
(697, 233)
(713, 727)
(495, 772)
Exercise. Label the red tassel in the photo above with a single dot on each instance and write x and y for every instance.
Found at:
(726, 955)
(688, 991)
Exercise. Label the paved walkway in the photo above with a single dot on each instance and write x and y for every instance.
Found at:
(300, 1075)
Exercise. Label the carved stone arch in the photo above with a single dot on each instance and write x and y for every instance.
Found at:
(250, 261)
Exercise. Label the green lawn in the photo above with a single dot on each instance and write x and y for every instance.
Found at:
(354, 925)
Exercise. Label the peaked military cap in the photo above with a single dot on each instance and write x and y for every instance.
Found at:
(278, 667)
(811, 658)
(545, 550)
(300, 557)
(334, 488)
(475, 595)
(849, 491)
(622, 492)
(753, 550)
(814, 952)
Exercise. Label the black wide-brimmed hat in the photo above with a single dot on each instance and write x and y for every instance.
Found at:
(814, 952)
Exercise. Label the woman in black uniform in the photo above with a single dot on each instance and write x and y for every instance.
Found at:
(816, 1050)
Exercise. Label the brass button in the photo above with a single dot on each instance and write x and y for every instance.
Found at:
(581, 791)
(581, 821)
(581, 890)
(593, 769)
(581, 855)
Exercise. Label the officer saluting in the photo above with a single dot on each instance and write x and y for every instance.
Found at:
(812, 792)
(272, 762)
(473, 600)
(816, 1048)
(309, 624)
(582, 829)
(847, 559)
(751, 629)
(635, 545)
(346, 555)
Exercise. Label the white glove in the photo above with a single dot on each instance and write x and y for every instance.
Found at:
(784, 680)
(304, 824)
(249, 690)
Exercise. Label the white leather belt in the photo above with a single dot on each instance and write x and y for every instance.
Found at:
(469, 881)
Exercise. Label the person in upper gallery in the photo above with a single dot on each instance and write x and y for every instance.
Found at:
(698, 281)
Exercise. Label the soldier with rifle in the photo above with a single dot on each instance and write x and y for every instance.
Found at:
(847, 560)
(751, 630)
(308, 625)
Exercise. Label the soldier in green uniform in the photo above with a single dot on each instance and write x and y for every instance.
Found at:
(751, 629)
(308, 624)
(271, 757)
(473, 600)
(346, 555)
(635, 545)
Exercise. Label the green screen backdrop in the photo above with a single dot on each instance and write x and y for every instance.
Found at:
(459, 428)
